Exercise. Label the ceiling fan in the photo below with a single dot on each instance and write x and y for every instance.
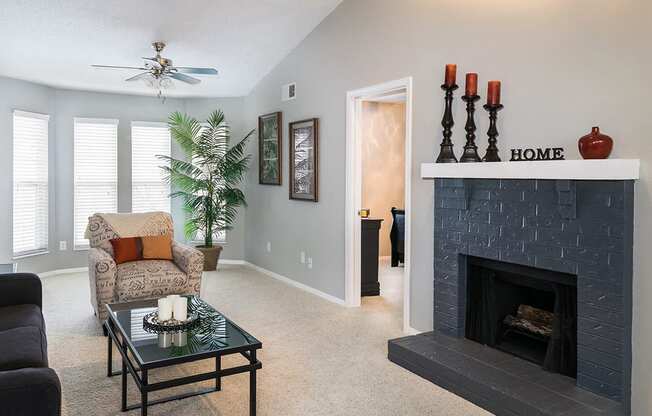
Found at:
(159, 71)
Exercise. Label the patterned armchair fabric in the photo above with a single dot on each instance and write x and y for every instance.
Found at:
(145, 279)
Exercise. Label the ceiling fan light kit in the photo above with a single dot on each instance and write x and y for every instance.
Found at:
(159, 71)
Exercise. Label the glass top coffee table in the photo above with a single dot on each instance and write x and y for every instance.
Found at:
(143, 351)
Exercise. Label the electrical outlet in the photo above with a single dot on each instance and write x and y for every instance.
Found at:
(302, 256)
(63, 245)
(269, 246)
(310, 262)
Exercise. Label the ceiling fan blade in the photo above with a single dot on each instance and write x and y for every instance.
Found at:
(184, 78)
(118, 67)
(139, 76)
(200, 71)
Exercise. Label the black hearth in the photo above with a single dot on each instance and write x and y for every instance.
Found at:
(528, 312)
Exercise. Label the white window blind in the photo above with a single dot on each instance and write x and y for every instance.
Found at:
(96, 172)
(30, 183)
(149, 190)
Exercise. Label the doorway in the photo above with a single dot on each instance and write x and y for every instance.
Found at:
(378, 174)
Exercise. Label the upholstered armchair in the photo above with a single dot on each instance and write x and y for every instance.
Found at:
(143, 279)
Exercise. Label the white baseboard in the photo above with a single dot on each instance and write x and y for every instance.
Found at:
(411, 331)
(63, 271)
(296, 284)
(227, 261)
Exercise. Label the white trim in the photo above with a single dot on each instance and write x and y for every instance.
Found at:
(160, 124)
(113, 121)
(296, 284)
(228, 261)
(411, 331)
(594, 169)
(28, 254)
(29, 114)
(354, 189)
(63, 271)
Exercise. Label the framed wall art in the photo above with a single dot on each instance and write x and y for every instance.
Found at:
(304, 159)
(270, 132)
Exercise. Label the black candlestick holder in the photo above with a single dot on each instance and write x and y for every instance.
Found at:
(492, 149)
(446, 154)
(470, 149)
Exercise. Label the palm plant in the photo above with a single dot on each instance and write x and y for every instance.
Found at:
(208, 182)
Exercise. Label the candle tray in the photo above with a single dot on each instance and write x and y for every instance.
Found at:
(152, 325)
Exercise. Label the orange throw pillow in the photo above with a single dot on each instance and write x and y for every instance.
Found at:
(127, 249)
(157, 247)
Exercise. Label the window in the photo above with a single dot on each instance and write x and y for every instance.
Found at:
(96, 172)
(149, 190)
(30, 184)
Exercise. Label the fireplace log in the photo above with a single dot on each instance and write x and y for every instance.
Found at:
(531, 320)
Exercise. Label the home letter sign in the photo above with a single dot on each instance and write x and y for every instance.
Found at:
(549, 153)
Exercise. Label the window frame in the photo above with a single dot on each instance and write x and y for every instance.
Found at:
(87, 120)
(46, 249)
(156, 124)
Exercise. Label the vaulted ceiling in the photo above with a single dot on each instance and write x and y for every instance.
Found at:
(54, 42)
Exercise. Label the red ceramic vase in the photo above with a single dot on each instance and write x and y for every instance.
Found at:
(595, 145)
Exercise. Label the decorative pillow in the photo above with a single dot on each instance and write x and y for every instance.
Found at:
(157, 247)
(127, 249)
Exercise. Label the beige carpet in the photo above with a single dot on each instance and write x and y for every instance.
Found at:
(318, 358)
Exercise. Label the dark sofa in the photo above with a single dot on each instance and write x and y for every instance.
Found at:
(27, 385)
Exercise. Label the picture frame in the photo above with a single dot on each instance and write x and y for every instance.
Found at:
(270, 143)
(304, 160)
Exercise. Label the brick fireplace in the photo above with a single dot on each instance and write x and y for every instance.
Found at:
(542, 234)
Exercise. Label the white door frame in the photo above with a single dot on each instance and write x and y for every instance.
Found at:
(354, 189)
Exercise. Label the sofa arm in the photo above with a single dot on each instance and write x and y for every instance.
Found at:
(102, 272)
(191, 262)
(30, 391)
(20, 288)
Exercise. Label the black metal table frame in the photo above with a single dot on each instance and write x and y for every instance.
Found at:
(141, 380)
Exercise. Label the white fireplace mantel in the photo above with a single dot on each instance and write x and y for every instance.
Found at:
(596, 169)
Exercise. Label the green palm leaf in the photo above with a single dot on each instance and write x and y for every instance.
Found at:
(208, 182)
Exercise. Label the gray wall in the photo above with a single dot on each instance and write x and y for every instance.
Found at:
(565, 66)
(63, 106)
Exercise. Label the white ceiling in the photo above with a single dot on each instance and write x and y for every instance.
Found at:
(55, 41)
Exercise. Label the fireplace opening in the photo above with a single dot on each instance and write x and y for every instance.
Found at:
(528, 312)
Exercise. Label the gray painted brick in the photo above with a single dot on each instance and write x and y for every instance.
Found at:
(601, 329)
(557, 237)
(543, 250)
(499, 218)
(490, 184)
(600, 242)
(518, 185)
(453, 203)
(556, 264)
(599, 372)
(586, 255)
(607, 390)
(452, 183)
(601, 315)
(522, 222)
(608, 346)
(600, 358)
(525, 234)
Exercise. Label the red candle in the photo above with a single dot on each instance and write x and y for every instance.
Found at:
(471, 84)
(449, 79)
(493, 93)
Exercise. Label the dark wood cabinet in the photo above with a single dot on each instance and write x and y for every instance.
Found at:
(369, 259)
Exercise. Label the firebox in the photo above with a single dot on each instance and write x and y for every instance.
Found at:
(528, 312)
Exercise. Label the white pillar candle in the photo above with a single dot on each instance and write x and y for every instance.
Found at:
(172, 298)
(164, 309)
(181, 309)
